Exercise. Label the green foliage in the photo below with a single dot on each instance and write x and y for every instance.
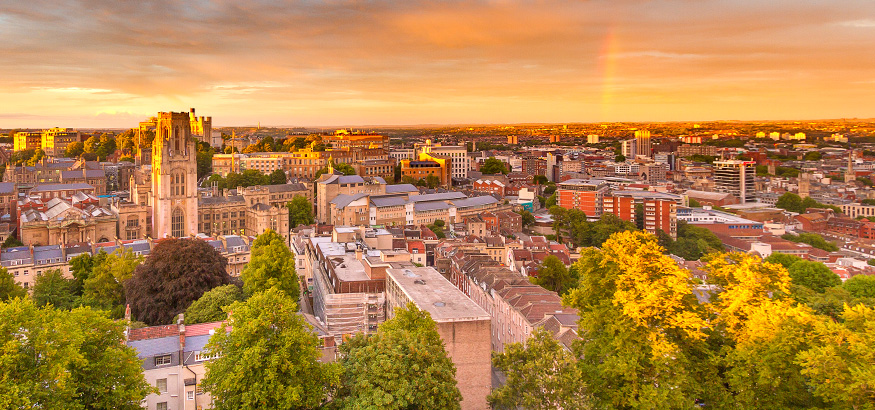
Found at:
(571, 224)
(439, 222)
(539, 180)
(269, 359)
(209, 308)
(813, 156)
(861, 286)
(553, 275)
(346, 169)
(692, 242)
(432, 181)
(865, 181)
(74, 149)
(551, 201)
(694, 203)
(868, 202)
(271, 265)
(204, 159)
(812, 239)
(541, 375)
(247, 178)
(11, 242)
(104, 287)
(783, 259)
(300, 211)
(620, 158)
(54, 359)
(438, 231)
(9, 288)
(492, 166)
(401, 366)
(527, 217)
(813, 275)
(794, 203)
(176, 273)
(277, 177)
(51, 288)
(703, 158)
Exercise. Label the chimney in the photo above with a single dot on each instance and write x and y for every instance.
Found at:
(128, 312)
(358, 254)
(180, 323)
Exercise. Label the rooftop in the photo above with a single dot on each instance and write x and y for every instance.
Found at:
(434, 294)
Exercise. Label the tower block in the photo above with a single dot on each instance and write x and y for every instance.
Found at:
(174, 177)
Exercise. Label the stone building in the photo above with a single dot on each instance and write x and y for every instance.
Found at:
(60, 221)
(174, 177)
(329, 186)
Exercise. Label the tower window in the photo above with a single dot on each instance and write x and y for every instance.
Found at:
(177, 223)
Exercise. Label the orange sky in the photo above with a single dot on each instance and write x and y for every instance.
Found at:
(102, 64)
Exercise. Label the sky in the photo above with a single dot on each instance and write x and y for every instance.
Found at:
(97, 63)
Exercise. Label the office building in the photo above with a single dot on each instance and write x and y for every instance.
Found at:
(737, 178)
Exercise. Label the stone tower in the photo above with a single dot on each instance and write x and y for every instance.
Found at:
(850, 175)
(804, 185)
(174, 177)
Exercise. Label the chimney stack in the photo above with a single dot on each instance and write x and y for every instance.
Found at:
(180, 323)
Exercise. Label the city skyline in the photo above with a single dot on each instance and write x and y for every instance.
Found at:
(101, 64)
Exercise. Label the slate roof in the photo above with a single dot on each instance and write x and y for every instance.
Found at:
(399, 188)
(430, 206)
(157, 346)
(343, 200)
(442, 196)
(475, 201)
(61, 187)
(388, 201)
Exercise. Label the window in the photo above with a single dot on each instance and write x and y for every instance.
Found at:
(162, 360)
(189, 395)
(161, 406)
(161, 384)
(177, 222)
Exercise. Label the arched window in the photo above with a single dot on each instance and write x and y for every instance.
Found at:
(177, 223)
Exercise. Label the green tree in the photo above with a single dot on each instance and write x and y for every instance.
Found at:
(527, 217)
(813, 275)
(204, 159)
(11, 242)
(271, 265)
(812, 239)
(209, 307)
(553, 275)
(74, 149)
(432, 181)
(541, 375)
(493, 165)
(694, 203)
(51, 288)
(346, 169)
(790, 202)
(278, 177)
(176, 273)
(551, 201)
(861, 286)
(104, 288)
(91, 145)
(38, 156)
(286, 374)
(813, 156)
(9, 288)
(300, 211)
(783, 259)
(66, 360)
(539, 180)
(620, 158)
(402, 366)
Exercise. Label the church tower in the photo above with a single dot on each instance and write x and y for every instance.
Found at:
(174, 177)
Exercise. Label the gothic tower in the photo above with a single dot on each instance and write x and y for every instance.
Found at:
(174, 177)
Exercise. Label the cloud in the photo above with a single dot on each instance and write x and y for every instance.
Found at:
(416, 61)
(865, 23)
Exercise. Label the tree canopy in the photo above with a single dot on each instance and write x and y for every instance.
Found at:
(104, 286)
(209, 307)
(9, 288)
(300, 211)
(493, 165)
(271, 265)
(176, 273)
(541, 375)
(51, 288)
(54, 359)
(553, 275)
(402, 366)
(269, 359)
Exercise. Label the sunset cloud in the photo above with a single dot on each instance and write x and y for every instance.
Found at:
(383, 62)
